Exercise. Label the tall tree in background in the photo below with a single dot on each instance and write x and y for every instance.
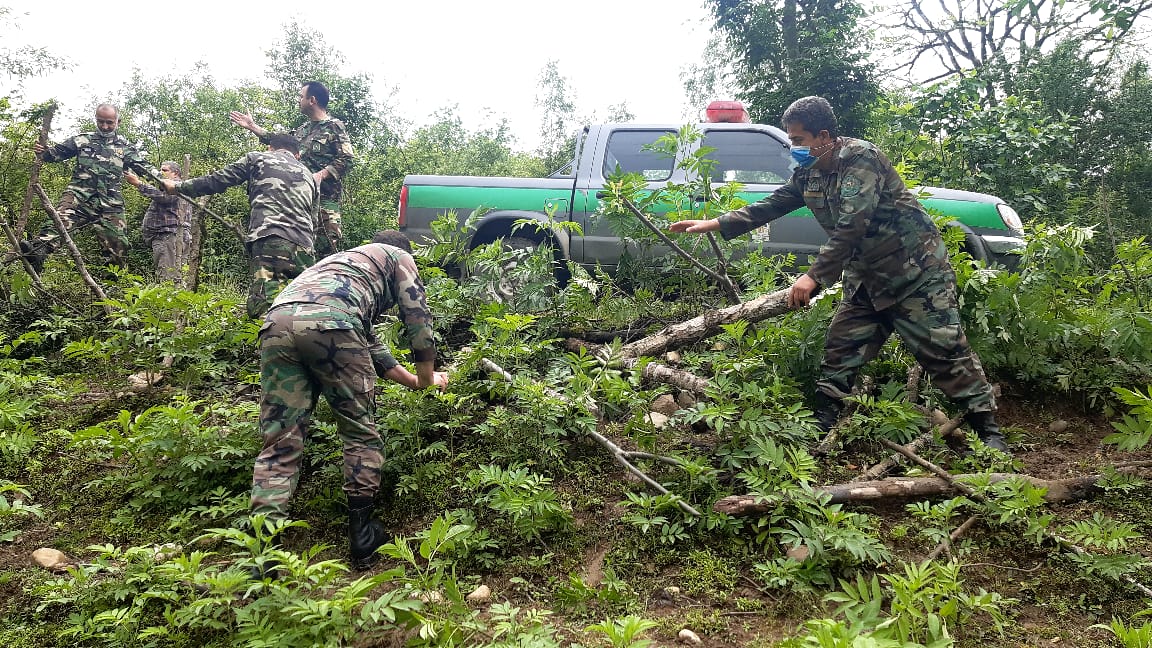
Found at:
(786, 49)
(303, 55)
(17, 64)
(555, 98)
(939, 39)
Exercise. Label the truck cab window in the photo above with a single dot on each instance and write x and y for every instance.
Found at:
(749, 157)
(626, 150)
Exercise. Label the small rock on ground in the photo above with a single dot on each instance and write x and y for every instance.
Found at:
(51, 559)
(689, 637)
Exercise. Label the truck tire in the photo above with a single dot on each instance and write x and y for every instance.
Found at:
(507, 286)
(504, 287)
(973, 244)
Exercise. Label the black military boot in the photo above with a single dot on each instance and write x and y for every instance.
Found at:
(985, 427)
(35, 258)
(827, 411)
(365, 535)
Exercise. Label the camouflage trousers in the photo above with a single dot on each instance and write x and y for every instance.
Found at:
(109, 228)
(307, 350)
(928, 321)
(329, 230)
(273, 262)
(167, 255)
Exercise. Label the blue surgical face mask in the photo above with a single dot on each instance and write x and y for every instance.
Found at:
(802, 157)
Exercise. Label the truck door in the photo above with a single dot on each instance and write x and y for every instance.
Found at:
(618, 147)
(759, 160)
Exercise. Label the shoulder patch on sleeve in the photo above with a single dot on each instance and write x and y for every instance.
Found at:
(850, 186)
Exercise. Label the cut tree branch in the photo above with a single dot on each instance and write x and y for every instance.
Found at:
(76, 256)
(725, 283)
(620, 455)
(37, 162)
(707, 324)
(899, 488)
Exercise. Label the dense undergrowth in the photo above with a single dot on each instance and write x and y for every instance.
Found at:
(497, 483)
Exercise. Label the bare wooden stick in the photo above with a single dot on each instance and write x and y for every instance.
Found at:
(912, 387)
(11, 236)
(725, 283)
(619, 454)
(37, 162)
(76, 256)
(917, 444)
(956, 534)
(1061, 541)
(722, 268)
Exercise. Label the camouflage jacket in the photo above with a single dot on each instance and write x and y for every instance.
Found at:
(364, 282)
(325, 144)
(281, 190)
(879, 236)
(100, 163)
(165, 214)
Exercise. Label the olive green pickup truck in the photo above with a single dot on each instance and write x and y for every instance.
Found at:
(754, 155)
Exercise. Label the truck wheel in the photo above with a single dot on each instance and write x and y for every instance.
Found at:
(973, 244)
(504, 283)
(507, 285)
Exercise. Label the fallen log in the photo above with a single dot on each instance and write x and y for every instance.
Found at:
(897, 488)
(707, 325)
(671, 376)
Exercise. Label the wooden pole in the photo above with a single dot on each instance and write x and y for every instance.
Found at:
(37, 162)
(76, 256)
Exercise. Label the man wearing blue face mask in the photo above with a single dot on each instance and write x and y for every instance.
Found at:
(895, 267)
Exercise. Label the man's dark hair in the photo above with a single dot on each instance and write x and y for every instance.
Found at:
(317, 91)
(814, 114)
(284, 142)
(393, 238)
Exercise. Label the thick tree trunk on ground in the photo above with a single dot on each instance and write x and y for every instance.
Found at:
(1060, 490)
(672, 376)
(708, 324)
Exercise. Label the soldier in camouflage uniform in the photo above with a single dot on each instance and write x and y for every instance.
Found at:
(162, 224)
(318, 339)
(326, 150)
(93, 196)
(895, 266)
(284, 201)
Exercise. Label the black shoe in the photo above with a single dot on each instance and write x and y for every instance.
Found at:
(985, 426)
(827, 411)
(35, 259)
(365, 535)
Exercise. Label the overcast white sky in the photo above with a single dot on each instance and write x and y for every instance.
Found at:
(484, 56)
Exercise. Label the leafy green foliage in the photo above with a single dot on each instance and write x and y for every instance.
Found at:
(174, 455)
(624, 632)
(1134, 430)
(781, 51)
(13, 506)
(531, 507)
